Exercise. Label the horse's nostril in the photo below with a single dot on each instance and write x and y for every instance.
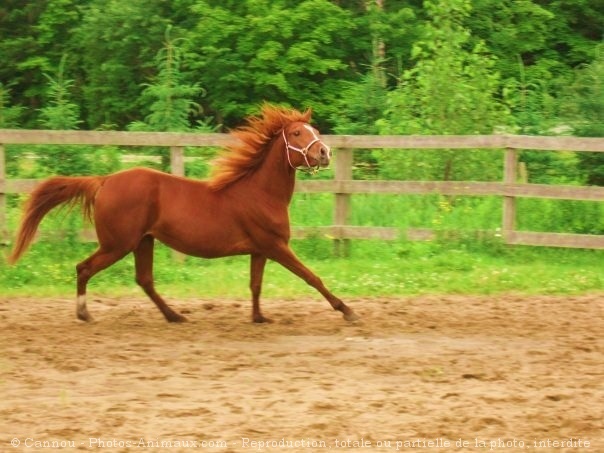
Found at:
(324, 153)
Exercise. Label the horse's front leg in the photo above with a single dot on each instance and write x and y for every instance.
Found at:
(286, 257)
(256, 273)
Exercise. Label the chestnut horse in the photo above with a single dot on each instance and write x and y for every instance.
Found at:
(241, 210)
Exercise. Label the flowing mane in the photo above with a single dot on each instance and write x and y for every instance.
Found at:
(239, 160)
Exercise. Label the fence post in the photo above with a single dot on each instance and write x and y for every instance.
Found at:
(177, 168)
(341, 214)
(509, 201)
(177, 160)
(3, 226)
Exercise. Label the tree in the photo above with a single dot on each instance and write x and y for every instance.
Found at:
(117, 42)
(60, 112)
(169, 99)
(9, 115)
(35, 34)
(584, 109)
(302, 53)
(252, 51)
(513, 30)
(363, 98)
(452, 89)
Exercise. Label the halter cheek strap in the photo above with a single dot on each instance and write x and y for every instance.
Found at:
(304, 151)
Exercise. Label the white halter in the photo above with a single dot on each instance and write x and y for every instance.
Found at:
(304, 151)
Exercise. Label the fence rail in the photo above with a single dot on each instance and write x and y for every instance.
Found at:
(344, 187)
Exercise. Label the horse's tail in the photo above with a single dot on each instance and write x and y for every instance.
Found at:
(48, 195)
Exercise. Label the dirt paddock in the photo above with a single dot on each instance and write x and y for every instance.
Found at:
(431, 373)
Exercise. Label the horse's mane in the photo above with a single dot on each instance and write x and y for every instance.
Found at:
(240, 159)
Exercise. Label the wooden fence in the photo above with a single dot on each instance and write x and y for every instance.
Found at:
(344, 187)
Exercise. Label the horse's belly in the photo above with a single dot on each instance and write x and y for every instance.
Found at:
(204, 245)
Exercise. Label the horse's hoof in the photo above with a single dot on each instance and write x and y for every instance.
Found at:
(351, 317)
(175, 317)
(84, 316)
(261, 320)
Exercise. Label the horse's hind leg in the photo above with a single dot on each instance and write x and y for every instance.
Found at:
(256, 272)
(143, 261)
(95, 263)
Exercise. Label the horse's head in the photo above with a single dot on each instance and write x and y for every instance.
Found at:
(304, 147)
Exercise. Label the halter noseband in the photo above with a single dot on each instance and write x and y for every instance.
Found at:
(304, 151)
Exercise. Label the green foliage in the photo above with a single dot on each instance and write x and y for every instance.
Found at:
(304, 53)
(251, 51)
(9, 115)
(533, 107)
(169, 98)
(60, 113)
(450, 90)
(117, 42)
(584, 104)
(34, 37)
(361, 106)
(513, 30)
(561, 216)
(584, 109)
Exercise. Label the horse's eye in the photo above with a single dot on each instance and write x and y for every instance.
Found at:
(296, 133)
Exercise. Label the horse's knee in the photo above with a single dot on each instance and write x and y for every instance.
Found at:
(144, 282)
(255, 289)
(80, 268)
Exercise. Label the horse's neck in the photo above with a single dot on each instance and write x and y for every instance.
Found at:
(275, 178)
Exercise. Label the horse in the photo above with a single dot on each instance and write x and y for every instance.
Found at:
(241, 209)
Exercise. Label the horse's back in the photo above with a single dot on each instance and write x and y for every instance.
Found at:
(128, 204)
(128, 189)
(183, 213)
(138, 184)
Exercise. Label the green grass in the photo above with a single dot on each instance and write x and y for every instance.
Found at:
(452, 213)
(373, 269)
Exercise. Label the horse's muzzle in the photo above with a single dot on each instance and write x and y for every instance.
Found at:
(324, 156)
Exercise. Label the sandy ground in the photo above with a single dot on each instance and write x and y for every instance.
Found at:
(437, 373)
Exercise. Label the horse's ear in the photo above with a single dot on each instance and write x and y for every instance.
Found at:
(307, 115)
